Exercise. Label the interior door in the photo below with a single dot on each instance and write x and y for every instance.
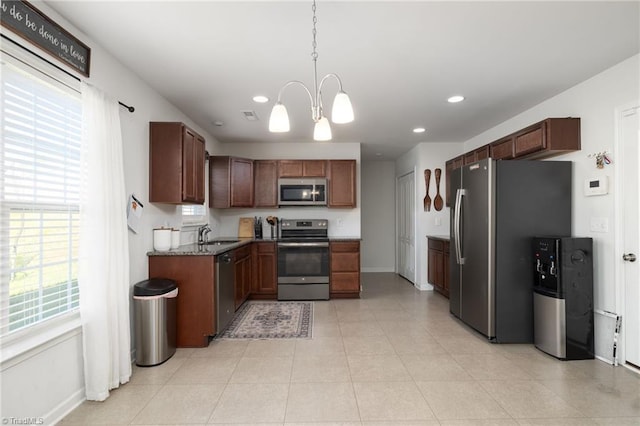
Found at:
(629, 127)
(405, 227)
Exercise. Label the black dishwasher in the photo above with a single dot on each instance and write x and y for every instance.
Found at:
(225, 294)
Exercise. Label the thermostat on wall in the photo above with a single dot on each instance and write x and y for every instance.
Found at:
(596, 186)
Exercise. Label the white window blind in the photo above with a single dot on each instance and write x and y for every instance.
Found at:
(194, 210)
(39, 198)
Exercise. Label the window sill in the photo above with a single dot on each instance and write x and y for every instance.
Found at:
(27, 343)
(193, 223)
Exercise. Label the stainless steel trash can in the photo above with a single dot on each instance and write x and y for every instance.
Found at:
(155, 312)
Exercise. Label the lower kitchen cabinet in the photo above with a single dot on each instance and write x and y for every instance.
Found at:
(264, 277)
(195, 310)
(242, 269)
(345, 269)
(438, 264)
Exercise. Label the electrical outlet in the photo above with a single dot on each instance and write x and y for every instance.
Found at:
(599, 224)
(438, 221)
(340, 222)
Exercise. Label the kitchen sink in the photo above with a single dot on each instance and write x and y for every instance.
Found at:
(221, 242)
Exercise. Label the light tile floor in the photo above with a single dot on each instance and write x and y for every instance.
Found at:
(395, 356)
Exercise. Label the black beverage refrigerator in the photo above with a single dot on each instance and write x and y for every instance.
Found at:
(563, 297)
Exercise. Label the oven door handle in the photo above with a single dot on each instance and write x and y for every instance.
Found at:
(303, 244)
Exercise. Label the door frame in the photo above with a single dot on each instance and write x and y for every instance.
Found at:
(414, 217)
(619, 249)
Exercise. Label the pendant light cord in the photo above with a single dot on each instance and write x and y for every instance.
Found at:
(317, 107)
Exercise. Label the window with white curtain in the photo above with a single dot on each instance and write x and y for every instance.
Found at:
(39, 194)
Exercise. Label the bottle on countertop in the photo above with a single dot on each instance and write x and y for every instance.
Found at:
(257, 227)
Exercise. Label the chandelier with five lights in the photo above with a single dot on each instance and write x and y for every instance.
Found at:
(341, 112)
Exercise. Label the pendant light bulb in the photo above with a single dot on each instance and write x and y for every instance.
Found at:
(322, 130)
(279, 119)
(342, 111)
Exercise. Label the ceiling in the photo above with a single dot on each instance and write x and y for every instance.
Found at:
(398, 61)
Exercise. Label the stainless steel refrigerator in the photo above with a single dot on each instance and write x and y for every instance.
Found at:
(498, 207)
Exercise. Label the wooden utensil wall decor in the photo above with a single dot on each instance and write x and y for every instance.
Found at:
(438, 202)
(427, 199)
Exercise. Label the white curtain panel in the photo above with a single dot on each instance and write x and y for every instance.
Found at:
(104, 251)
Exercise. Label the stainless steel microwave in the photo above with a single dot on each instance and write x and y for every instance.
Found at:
(302, 192)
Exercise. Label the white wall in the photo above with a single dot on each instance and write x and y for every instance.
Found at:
(52, 375)
(342, 222)
(377, 252)
(427, 156)
(595, 102)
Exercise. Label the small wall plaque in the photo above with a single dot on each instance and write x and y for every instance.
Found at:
(25, 20)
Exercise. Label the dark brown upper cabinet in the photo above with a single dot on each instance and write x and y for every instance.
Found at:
(342, 183)
(176, 164)
(549, 137)
(302, 168)
(265, 183)
(553, 136)
(230, 182)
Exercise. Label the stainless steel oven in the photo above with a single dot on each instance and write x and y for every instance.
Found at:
(303, 260)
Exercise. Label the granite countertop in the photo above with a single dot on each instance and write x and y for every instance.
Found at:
(439, 237)
(220, 245)
(215, 247)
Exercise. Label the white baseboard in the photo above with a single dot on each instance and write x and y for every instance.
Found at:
(423, 287)
(377, 269)
(64, 408)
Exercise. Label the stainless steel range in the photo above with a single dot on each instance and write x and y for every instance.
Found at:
(303, 259)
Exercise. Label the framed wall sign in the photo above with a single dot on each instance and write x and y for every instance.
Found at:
(22, 18)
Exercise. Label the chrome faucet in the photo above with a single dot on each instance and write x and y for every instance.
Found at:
(202, 234)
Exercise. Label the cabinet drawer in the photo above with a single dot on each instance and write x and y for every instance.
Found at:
(266, 247)
(243, 252)
(436, 244)
(341, 247)
(345, 282)
(345, 262)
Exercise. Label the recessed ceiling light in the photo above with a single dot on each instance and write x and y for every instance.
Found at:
(455, 99)
(419, 130)
(260, 99)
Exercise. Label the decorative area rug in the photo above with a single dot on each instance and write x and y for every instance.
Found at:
(271, 320)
